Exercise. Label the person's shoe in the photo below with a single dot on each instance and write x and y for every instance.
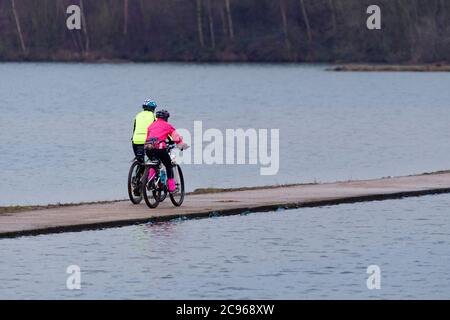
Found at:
(171, 185)
(151, 174)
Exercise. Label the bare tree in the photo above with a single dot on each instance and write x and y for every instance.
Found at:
(19, 29)
(125, 17)
(285, 26)
(211, 25)
(305, 17)
(85, 28)
(142, 5)
(333, 15)
(223, 20)
(405, 14)
(230, 19)
(200, 24)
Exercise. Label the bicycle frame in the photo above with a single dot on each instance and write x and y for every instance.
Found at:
(157, 164)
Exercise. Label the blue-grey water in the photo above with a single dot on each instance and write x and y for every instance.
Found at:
(65, 134)
(65, 129)
(309, 253)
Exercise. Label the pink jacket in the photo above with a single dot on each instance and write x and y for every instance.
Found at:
(160, 130)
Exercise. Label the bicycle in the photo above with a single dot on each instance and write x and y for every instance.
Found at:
(155, 190)
(135, 175)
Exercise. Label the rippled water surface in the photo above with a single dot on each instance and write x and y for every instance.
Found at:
(65, 129)
(288, 254)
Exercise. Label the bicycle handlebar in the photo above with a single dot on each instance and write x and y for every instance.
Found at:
(170, 145)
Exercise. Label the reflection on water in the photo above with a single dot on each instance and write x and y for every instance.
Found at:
(65, 129)
(288, 254)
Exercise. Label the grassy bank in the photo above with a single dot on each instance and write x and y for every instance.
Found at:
(15, 209)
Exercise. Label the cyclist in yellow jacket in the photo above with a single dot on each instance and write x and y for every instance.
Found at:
(141, 123)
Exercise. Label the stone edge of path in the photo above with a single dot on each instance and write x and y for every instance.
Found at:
(223, 212)
(18, 208)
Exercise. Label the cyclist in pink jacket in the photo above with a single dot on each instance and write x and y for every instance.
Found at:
(157, 134)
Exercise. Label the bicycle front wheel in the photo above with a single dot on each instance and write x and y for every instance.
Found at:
(177, 197)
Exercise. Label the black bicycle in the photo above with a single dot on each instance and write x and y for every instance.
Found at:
(155, 190)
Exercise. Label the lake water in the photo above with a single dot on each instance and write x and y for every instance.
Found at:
(309, 253)
(65, 129)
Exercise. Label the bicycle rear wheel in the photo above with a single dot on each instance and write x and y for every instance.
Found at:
(177, 197)
(134, 183)
(151, 194)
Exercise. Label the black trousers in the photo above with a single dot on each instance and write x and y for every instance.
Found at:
(163, 155)
(138, 150)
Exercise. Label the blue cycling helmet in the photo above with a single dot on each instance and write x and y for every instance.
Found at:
(149, 104)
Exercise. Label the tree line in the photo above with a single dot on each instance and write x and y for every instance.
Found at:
(413, 31)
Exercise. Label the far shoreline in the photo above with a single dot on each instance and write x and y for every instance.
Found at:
(335, 66)
(438, 67)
